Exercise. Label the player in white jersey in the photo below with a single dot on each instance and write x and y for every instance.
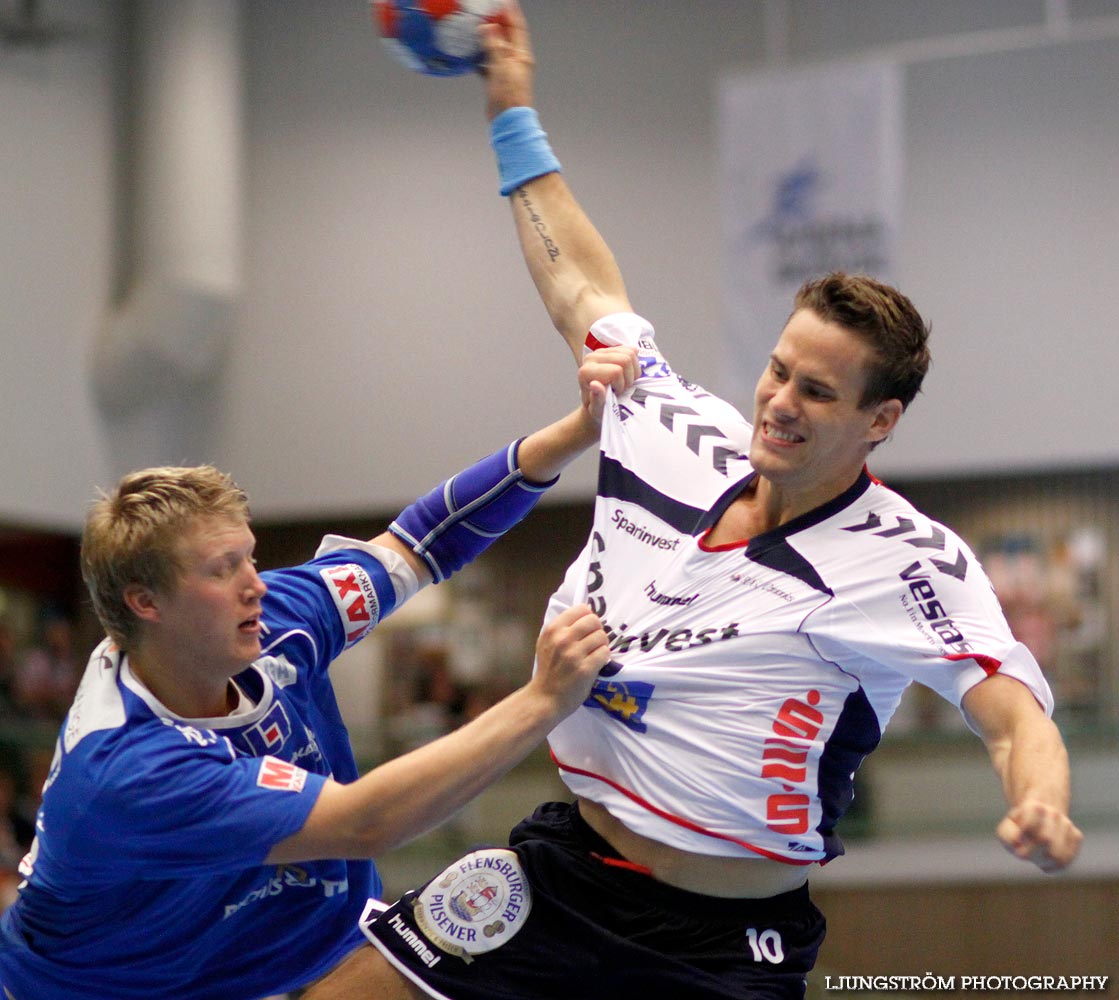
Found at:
(767, 602)
(204, 832)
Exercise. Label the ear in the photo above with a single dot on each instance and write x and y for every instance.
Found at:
(142, 602)
(886, 417)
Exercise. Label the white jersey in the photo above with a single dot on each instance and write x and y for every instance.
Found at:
(748, 681)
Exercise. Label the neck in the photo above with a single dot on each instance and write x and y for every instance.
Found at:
(777, 505)
(765, 505)
(782, 504)
(181, 692)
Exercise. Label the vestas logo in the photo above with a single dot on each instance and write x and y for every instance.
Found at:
(354, 597)
(927, 608)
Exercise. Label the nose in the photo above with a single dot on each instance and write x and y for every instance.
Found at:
(783, 399)
(256, 588)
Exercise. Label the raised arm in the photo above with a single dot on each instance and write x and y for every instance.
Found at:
(1029, 757)
(575, 273)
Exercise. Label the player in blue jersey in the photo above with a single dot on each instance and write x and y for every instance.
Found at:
(204, 831)
(767, 602)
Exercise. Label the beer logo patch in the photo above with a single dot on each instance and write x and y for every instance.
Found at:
(476, 905)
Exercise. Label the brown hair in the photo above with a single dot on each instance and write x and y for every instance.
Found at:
(882, 317)
(130, 535)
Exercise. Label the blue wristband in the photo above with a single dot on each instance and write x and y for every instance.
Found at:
(459, 519)
(522, 148)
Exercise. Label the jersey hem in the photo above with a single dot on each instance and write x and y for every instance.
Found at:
(679, 820)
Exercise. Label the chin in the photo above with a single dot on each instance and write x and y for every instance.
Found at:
(765, 463)
(246, 653)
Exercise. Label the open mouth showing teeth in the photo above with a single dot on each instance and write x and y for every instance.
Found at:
(779, 435)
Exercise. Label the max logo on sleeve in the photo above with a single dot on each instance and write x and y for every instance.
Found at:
(354, 597)
(280, 776)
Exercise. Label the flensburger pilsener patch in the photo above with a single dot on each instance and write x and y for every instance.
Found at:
(475, 905)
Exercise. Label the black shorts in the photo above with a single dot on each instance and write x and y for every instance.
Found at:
(552, 918)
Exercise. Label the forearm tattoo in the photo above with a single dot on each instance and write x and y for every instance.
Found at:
(550, 246)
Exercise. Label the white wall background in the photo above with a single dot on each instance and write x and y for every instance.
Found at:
(385, 329)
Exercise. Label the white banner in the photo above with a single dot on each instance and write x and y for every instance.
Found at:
(811, 164)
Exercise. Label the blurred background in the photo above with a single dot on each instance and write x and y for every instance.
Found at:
(237, 231)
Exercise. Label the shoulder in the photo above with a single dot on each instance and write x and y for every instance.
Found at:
(881, 531)
(129, 775)
(336, 598)
(143, 750)
(892, 565)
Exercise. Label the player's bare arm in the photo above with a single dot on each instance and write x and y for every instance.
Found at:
(574, 270)
(412, 794)
(1029, 756)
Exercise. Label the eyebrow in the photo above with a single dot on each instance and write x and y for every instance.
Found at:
(809, 380)
(232, 555)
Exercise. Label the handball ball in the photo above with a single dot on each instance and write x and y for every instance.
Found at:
(437, 37)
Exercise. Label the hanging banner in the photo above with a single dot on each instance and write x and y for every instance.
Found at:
(810, 164)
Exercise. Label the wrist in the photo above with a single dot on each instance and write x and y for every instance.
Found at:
(522, 148)
(536, 710)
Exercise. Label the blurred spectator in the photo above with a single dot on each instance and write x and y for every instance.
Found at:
(7, 669)
(434, 705)
(48, 674)
(16, 829)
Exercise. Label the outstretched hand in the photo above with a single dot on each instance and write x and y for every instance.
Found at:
(508, 65)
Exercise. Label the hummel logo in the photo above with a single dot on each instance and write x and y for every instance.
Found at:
(721, 455)
(905, 526)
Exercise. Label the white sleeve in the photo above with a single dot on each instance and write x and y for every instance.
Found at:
(404, 580)
(616, 329)
(945, 633)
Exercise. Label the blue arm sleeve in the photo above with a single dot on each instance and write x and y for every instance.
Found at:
(459, 519)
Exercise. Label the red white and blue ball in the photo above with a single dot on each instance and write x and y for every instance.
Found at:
(437, 37)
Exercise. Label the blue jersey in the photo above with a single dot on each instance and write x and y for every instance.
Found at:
(147, 875)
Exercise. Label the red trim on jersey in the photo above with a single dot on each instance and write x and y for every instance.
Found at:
(725, 547)
(679, 821)
(989, 664)
(593, 343)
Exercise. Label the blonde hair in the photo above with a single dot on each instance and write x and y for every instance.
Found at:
(131, 534)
